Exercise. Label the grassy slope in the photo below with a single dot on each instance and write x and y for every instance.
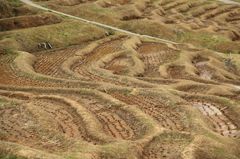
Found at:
(111, 16)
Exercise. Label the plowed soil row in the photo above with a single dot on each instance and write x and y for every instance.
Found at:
(66, 120)
(104, 49)
(204, 73)
(167, 149)
(8, 76)
(116, 126)
(116, 123)
(48, 63)
(174, 4)
(167, 117)
(119, 65)
(221, 123)
(158, 81)
(176, 72)
(154, 55)
(18, 125)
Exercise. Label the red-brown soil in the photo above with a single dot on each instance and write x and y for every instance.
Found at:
(167, 117)
(221, 123)
(29, 21)
(155, 55)
(119, 96)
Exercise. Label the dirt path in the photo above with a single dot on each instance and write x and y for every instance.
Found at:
(110, 27)
(96, 23)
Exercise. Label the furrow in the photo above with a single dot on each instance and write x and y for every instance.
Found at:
(49, 62)
(165, 116)
(174, 4)
(167, 145)
(117, 127)
(69, 122)
(20, 127)
(221, 123)
(114, 121)
(102, 50)
(8, 76)
(119, 65)
(154, 55)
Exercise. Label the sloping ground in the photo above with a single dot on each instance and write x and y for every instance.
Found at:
(163, 122)
(114, 96)
(207, 24)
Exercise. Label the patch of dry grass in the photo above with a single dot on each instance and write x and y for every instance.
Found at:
(59, 35)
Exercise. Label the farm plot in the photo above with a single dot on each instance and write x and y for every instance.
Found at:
(9, 77)
(20, 125)
(166, 146)
(48, 63)
(115, 121)
(120, 65)
(154, 55)
(168, 117)
(221, 123)
(122, 96)
(104, 49)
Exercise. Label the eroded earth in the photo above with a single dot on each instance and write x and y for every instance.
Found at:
(117, 95)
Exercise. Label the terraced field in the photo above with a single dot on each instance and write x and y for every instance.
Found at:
(100, 93)
(206, 24)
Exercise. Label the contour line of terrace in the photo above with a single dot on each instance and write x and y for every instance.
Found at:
(111, 27)
(114, 28)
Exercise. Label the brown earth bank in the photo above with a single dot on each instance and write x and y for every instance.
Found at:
(13, 8)
(100, 94)
(206, 24)
(29, 21)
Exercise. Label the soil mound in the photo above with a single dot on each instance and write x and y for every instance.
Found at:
(6, 9)
(77, 90)
(29, 21)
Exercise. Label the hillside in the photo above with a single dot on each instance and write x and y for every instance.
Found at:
(71, 89)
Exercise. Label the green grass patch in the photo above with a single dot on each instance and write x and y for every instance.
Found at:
(212, 136)
(3, 100)
(71, 157)
(12, 104)
(9, 51)
(225, 101)
(40, 79)
(16, 2)
(155, 1)
(201, 39)
(3, 135)
(8, 155)
(59, 35)
(125, 91)
(221, 153)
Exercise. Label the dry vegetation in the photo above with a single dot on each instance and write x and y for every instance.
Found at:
(103, 94)
(206, 24)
